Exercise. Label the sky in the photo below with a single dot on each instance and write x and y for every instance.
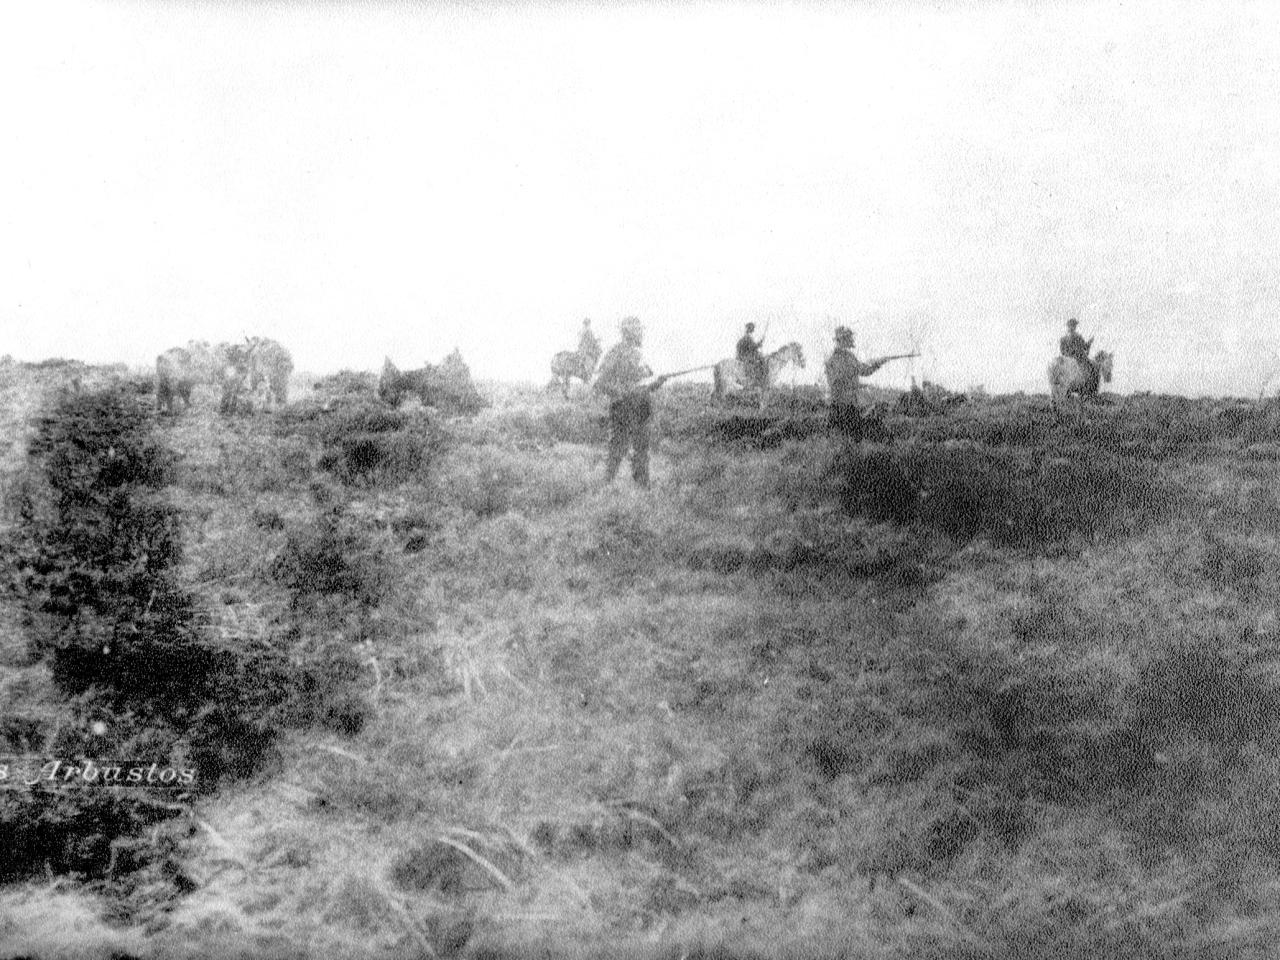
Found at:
(370, 180)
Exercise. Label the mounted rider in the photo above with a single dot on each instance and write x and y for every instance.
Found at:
(1077, 348)
(754, 369)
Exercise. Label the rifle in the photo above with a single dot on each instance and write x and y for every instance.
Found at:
(896, 356)
(652, 383)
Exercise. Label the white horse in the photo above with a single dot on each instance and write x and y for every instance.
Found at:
(730, 376)
(1068, 377)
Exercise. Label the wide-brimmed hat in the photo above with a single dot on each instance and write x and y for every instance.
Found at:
(1073, 322)
(844, 335)
(631, 327)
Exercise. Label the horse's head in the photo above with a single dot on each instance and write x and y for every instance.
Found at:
(788, 353)
(1102, 360)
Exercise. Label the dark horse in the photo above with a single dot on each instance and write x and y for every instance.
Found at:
(568, 364)
(447, 387)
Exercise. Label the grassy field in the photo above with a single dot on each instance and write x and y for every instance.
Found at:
(993, 685)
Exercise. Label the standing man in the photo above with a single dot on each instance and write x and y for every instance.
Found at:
(627, 381)
(748, 354)
(844, 371)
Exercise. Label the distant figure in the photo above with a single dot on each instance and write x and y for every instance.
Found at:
(844, 373)
(747, 353)
(1073, 345)
(627, 381)
(580, 363)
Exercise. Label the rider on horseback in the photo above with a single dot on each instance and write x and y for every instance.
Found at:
(754, 369)
(1077, 348)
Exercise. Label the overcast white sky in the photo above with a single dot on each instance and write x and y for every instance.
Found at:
(360, 180)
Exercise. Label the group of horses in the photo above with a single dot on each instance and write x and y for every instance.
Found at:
(256, 373)
(1068, 377)
(242, 371)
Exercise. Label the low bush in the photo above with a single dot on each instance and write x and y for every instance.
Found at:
(336, 576)
(330, 558)
(360, 385)
(363, 444)
(1012, 497)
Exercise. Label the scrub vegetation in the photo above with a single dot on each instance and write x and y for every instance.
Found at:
(992, 685)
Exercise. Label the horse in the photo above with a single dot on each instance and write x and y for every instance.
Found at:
(448, 386)
(259, 367)
(730, 376)
(181, 369)
(568, 364)
(1068, 376)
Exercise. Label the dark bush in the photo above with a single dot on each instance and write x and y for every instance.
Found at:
(367, 443)
(373, 458)
(336, 577)
(99, 548)
(331, 558)
(1012, 497)
(66, 832)
(1206, 690)
(101, 586)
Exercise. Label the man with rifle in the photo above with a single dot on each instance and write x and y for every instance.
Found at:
(627, 381)
(844, 373)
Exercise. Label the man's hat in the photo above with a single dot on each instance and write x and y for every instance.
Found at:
(1073, 322)
(631, 327)
(844, 335)
(751, 326)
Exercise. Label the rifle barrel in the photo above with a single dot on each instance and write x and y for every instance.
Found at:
(681, 373)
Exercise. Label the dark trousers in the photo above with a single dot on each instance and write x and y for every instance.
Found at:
(846, 418)
(629, 430)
